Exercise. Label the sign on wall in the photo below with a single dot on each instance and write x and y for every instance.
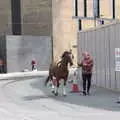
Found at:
(117, 59)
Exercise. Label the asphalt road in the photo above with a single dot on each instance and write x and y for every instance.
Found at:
(28, 99)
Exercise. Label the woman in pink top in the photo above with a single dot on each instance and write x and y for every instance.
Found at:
(87, 65)
(33, 63)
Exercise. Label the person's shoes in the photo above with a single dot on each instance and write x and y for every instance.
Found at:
(88, 93)
(84, 93)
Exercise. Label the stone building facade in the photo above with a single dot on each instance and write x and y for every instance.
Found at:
(52, 18)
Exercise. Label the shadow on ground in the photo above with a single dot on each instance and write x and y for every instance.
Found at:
(100, 98)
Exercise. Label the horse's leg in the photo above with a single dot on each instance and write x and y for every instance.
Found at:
(56, 87)
(64, 88)
(53, 85)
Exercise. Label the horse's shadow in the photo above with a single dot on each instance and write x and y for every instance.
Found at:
(35, 97)
(100, 98)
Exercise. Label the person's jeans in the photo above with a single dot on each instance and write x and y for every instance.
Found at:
(86, 80)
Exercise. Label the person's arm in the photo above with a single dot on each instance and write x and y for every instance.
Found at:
(91, 64)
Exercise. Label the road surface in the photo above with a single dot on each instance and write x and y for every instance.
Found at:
(28, 99)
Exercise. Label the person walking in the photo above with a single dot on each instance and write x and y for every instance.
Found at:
(87, 66)
(33, 63)
(1, 66)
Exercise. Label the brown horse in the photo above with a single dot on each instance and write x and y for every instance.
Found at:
(59, 71)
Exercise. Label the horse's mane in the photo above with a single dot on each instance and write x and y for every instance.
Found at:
(58, 63)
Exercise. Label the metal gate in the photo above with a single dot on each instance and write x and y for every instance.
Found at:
(101, 43)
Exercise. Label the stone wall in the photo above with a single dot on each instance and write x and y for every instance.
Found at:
(64, 27)
(5, 16)
(36, 17)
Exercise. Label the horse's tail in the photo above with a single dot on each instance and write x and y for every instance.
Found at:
(46, 81)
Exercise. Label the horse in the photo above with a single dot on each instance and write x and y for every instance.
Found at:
(59, 71)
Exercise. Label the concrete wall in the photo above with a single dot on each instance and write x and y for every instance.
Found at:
(36, 16)
(101, 43)
(64, 27)
(5, 16)
(22, 49)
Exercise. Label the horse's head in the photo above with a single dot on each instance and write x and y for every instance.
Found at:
(68, 59)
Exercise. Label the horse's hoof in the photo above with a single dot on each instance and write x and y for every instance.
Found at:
(53, 91)
(56, 94)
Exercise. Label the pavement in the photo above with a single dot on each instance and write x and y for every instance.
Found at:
(29, 99)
